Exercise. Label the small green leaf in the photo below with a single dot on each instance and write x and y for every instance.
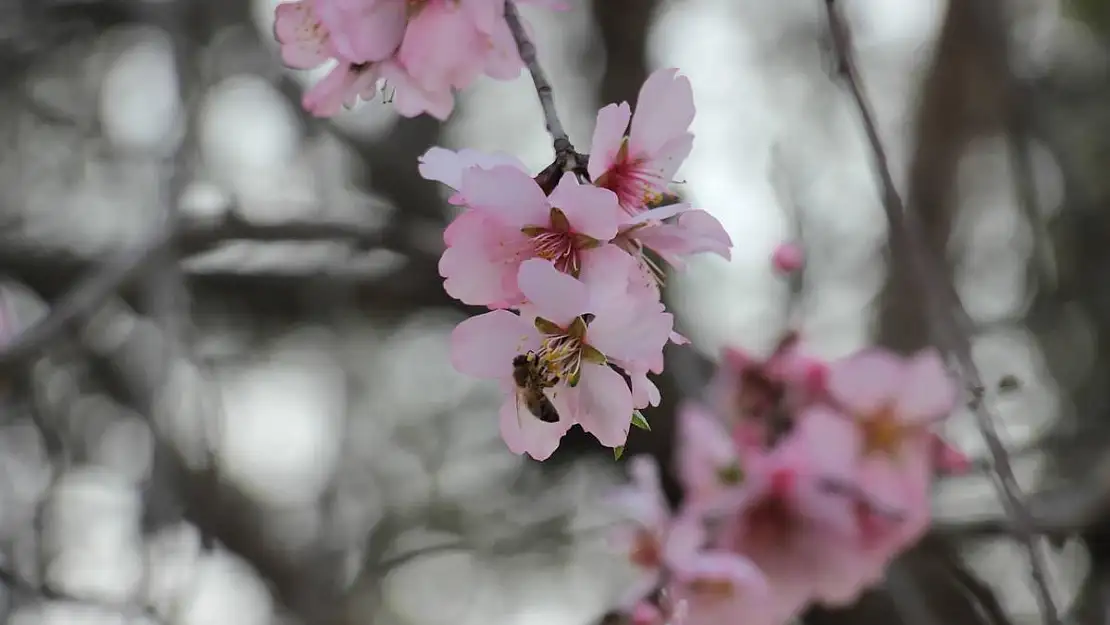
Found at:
(547, 327)
(584, 242)
(640, 421)
(559, 221)
(618, 452)
(591, 354)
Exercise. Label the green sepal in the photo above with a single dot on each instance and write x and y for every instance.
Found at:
(577, 328)
(533, 231)
(547, 327)
(640, 421)
(591, 354)
(618, 452)
(559, 221)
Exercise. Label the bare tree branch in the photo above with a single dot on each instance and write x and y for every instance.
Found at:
(539, 79)
(944, 321)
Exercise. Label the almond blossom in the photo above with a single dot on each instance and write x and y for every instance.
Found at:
(639, 166)
(513, 222)
(574, 340)
(792, 527)
(425, 50)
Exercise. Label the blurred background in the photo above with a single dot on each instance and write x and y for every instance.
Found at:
(261, 426)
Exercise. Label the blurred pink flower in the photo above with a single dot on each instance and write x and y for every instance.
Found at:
(720, 587)
(364, 31)
(797, 532)
(654, 540)
(640, 165)
(515, 221)
(304, 40)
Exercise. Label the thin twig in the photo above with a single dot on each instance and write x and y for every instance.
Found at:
(544, 91)
(944, 321)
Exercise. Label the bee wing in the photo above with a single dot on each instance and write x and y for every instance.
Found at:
(519, 403)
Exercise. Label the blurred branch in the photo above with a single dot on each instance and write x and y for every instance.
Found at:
(944, 322)
(104, 280)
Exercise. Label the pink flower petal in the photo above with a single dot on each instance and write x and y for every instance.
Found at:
(410, 98)
(867, 380)
(928, 392)
(556, 296)
(507, 193)
(304, 42)
(592, 211)
(363, 30)
(631, 330)
(523, 433)
(484, 346)
(609, 131)
(664, 111)
(603, 404)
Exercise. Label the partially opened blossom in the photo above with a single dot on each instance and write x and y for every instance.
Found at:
(515, 222)
(652, 539)
(574, 342)
(706, 458)
(640, 165)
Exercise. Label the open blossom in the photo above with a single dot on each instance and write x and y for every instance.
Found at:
(640, 166)
(884, 406)
(425, 50)
(574, 342)
(799, 534)
(514, 221)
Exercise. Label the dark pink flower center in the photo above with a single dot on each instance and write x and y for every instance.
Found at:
(559, 248)
(646, 552)
(635, 184)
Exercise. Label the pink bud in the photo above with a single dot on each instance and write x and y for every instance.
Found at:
(788, 258)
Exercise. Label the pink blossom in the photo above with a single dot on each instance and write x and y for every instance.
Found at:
(795, 531)
(788, 258)
(640, 166)
(654, 539)
(447, 166)
(574, 343)
(884, 405)
(411, 98)
(515, 221)
(707, 460)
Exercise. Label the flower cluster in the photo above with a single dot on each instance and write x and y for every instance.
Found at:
(802, 481)
(424, 49)
(569, 265)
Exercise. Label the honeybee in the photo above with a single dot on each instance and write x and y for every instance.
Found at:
(531, 378)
